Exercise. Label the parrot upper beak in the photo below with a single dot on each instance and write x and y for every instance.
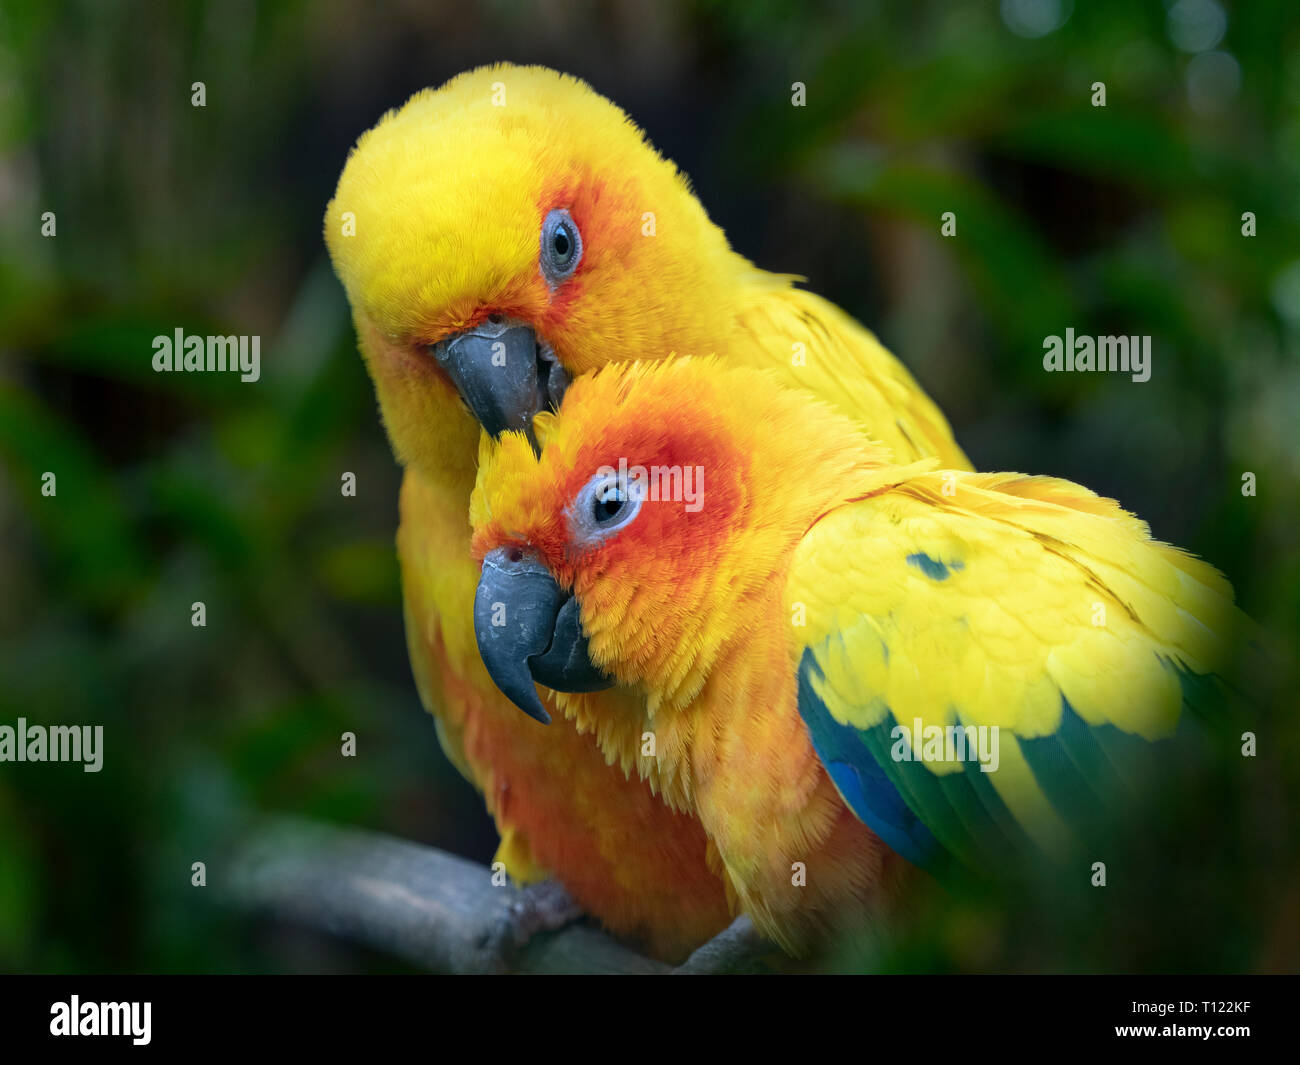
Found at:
(529, 631)
(503, 373)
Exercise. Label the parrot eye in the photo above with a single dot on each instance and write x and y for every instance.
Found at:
(561, 246)
(607, 510)
(606, 504)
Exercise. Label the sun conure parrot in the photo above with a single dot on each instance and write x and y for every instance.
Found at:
(787, 598)
(497, 238)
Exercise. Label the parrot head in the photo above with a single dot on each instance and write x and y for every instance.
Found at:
(652, 529)
(503, 234)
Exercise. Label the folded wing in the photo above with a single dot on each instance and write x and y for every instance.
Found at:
(1025, 605)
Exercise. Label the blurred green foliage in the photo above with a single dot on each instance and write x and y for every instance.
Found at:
(176, 489)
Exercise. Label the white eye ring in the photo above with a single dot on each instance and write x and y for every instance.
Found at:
(604, 505)
(561, 249)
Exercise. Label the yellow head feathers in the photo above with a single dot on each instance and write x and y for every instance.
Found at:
(723, 500)
(438, 214)
(439, 222)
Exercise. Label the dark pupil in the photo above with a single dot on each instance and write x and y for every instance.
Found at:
(608, 509)
(561, 243)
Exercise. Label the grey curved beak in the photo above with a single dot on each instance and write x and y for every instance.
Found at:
(503, 374)
(529, 632)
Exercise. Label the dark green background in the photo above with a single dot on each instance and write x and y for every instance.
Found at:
(173, 489)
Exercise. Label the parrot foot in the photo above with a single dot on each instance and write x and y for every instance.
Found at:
(542, 907)
(738, 948)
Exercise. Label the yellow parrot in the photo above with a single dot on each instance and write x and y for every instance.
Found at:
(843, 660)
(498, 238)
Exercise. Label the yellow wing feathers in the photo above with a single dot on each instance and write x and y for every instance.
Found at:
(817, 347)
(994, 595)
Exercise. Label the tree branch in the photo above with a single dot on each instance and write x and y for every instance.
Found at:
(431, 908)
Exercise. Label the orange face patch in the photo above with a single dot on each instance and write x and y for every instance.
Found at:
(665, 445)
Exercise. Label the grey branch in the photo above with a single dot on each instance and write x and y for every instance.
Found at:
(428, 907)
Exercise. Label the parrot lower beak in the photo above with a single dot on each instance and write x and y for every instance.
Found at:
(503, 373)
(529, 632)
